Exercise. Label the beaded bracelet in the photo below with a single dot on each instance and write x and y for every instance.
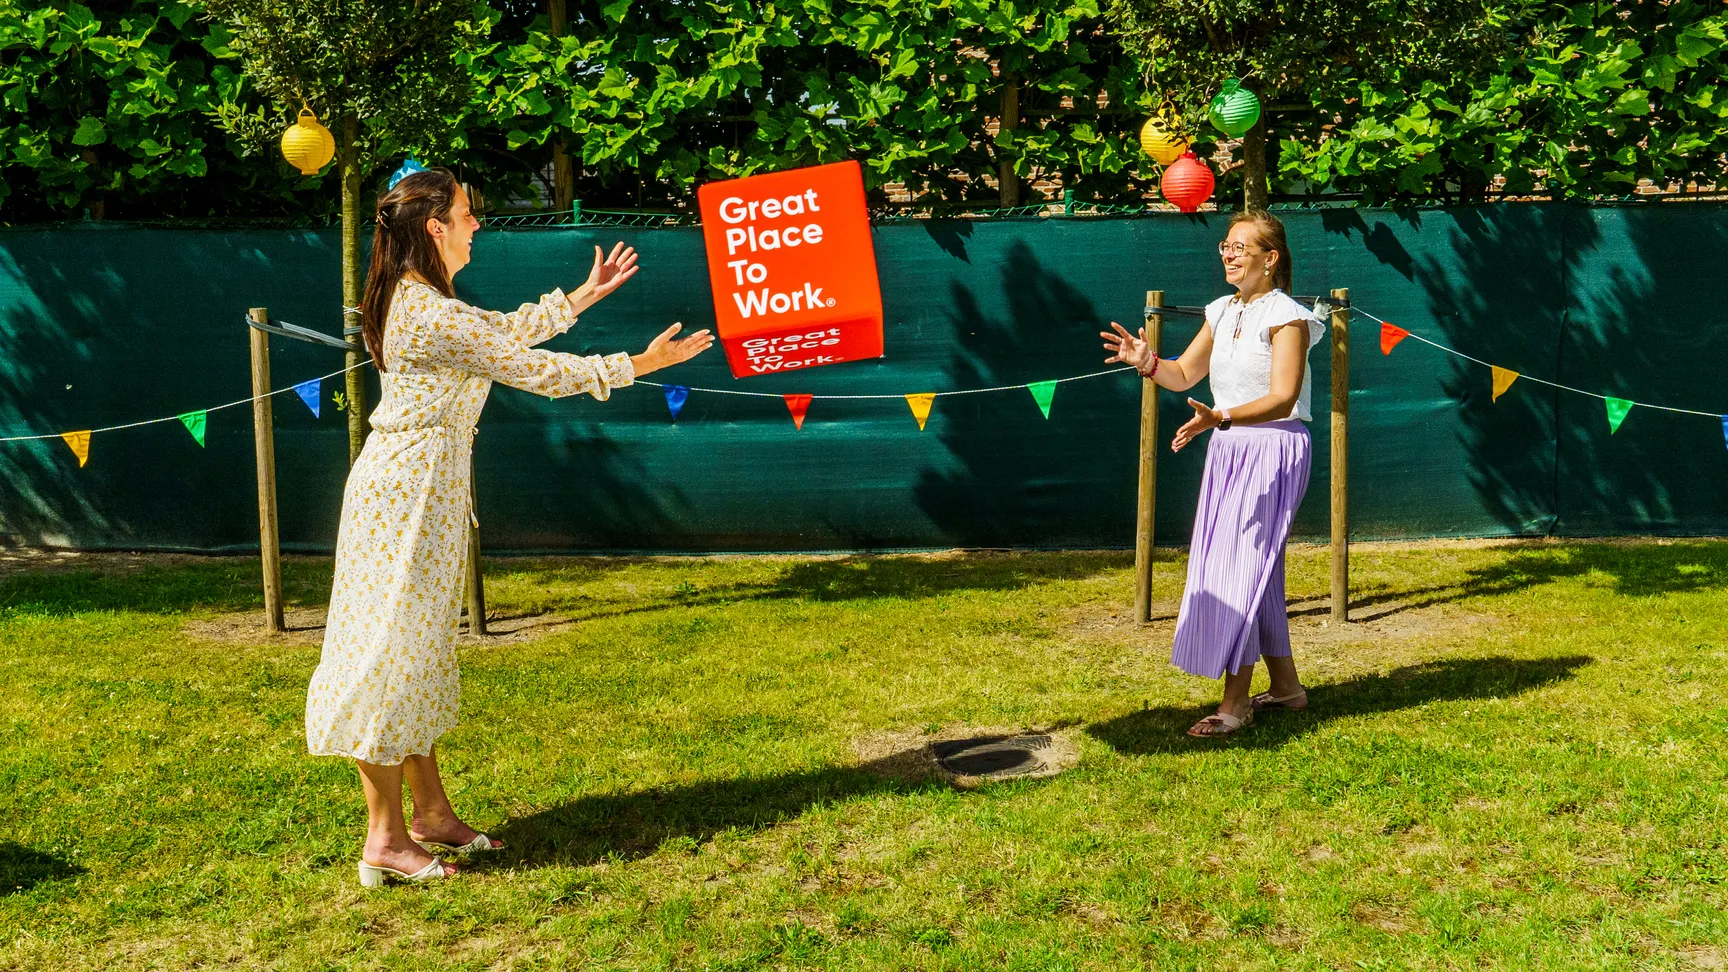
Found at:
(1149, 375)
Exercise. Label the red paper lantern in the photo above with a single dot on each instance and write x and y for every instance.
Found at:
(1187, 183)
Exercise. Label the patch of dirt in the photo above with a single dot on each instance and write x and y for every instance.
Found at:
(1310, 623)
(909, 754)
(306, 627)
(27, 560)
(1702, 957)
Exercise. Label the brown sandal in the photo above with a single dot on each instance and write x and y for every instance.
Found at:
(1295, 702)
(1219, 724)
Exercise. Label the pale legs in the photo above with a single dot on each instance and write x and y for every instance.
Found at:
(1282, 669)
(388, 842)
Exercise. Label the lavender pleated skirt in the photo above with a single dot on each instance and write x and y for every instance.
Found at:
(1233, 603)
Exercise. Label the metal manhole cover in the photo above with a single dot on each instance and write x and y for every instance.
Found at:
(997, 757)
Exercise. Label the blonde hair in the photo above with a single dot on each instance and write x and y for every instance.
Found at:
(1269, 233)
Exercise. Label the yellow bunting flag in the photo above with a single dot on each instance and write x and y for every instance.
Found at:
(80, 443)
(921, 407)
(1503, 379)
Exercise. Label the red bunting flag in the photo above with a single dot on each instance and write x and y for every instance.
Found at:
(1390, 335)
(797, 405)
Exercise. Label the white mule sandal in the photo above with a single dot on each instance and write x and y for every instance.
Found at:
(375, 875)
(481, 842)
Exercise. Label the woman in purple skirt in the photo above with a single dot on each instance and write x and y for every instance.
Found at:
(1254, 346)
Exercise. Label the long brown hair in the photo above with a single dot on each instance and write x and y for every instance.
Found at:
(401, 245)
(1270, 234)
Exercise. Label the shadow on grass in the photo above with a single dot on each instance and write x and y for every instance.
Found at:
(1163, 729)
(22, 868)
(1641, 570)
(168, 588)
(854, 578)
(635, 825)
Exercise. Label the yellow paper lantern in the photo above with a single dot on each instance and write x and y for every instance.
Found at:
(307, 145)
(1160, 141)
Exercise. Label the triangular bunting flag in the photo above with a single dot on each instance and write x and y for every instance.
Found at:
(1042, 393)
(1390, 335)
(921, 407)
(797, 405)
(1725, 429)
(1503, 379)
(194, 422)
(675, 396)
(80, 443)
(1617, 409)
(309, 393)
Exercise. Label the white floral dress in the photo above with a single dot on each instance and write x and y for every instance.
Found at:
(387, 687)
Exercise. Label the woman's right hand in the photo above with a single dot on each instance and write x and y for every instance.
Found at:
(664, 352)
(1127, 348)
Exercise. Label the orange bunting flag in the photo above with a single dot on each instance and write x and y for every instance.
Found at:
(797, 405)
(1390, 335)
(80, 443)
(921, 407)
(1503, 379)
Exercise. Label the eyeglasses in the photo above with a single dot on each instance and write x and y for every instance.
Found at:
(1227, 249)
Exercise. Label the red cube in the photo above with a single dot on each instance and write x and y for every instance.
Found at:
(793, 269)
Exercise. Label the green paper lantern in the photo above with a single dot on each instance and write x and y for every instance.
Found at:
(1235, 109)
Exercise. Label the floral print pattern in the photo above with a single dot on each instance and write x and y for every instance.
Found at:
(387, 686)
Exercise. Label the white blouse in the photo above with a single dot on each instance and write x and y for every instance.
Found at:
(1241, 368)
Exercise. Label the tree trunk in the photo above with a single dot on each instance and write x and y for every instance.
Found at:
(1006, 180)
(95, 207)
(1255, 190)
(349, 159)
(563, 170)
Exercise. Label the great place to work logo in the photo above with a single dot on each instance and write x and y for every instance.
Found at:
(793, 269)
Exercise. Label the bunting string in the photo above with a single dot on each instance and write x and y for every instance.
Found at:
(858, 398)
(1042, 392)
(181, 417)
(1401, 333)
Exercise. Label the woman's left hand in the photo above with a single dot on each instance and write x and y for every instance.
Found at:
(1204, 418)
(609, 274)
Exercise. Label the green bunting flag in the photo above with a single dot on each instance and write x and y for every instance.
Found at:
(1617, 409)
(1042, 393)
(194, 422)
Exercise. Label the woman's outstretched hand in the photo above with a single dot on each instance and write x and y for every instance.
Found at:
(609, 274)
(664, 352)
(1204, 418)
(1127, 348)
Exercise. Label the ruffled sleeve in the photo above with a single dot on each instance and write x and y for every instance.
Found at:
(1280, 310)
(1215, 310)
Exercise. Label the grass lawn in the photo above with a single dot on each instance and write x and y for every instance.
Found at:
(1516, 759)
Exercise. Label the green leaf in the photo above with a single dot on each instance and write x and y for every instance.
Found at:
(91, 131)
(1694, 44)
(615, 10)
(1635, 101)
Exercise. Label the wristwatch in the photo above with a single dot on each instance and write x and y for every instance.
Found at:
(1224, 423)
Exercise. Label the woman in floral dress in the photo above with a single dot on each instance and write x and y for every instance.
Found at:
(386, 687)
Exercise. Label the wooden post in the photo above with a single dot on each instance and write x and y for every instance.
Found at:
(1341, 456)
(264, 444)
(476, 582)
(1147, 499)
